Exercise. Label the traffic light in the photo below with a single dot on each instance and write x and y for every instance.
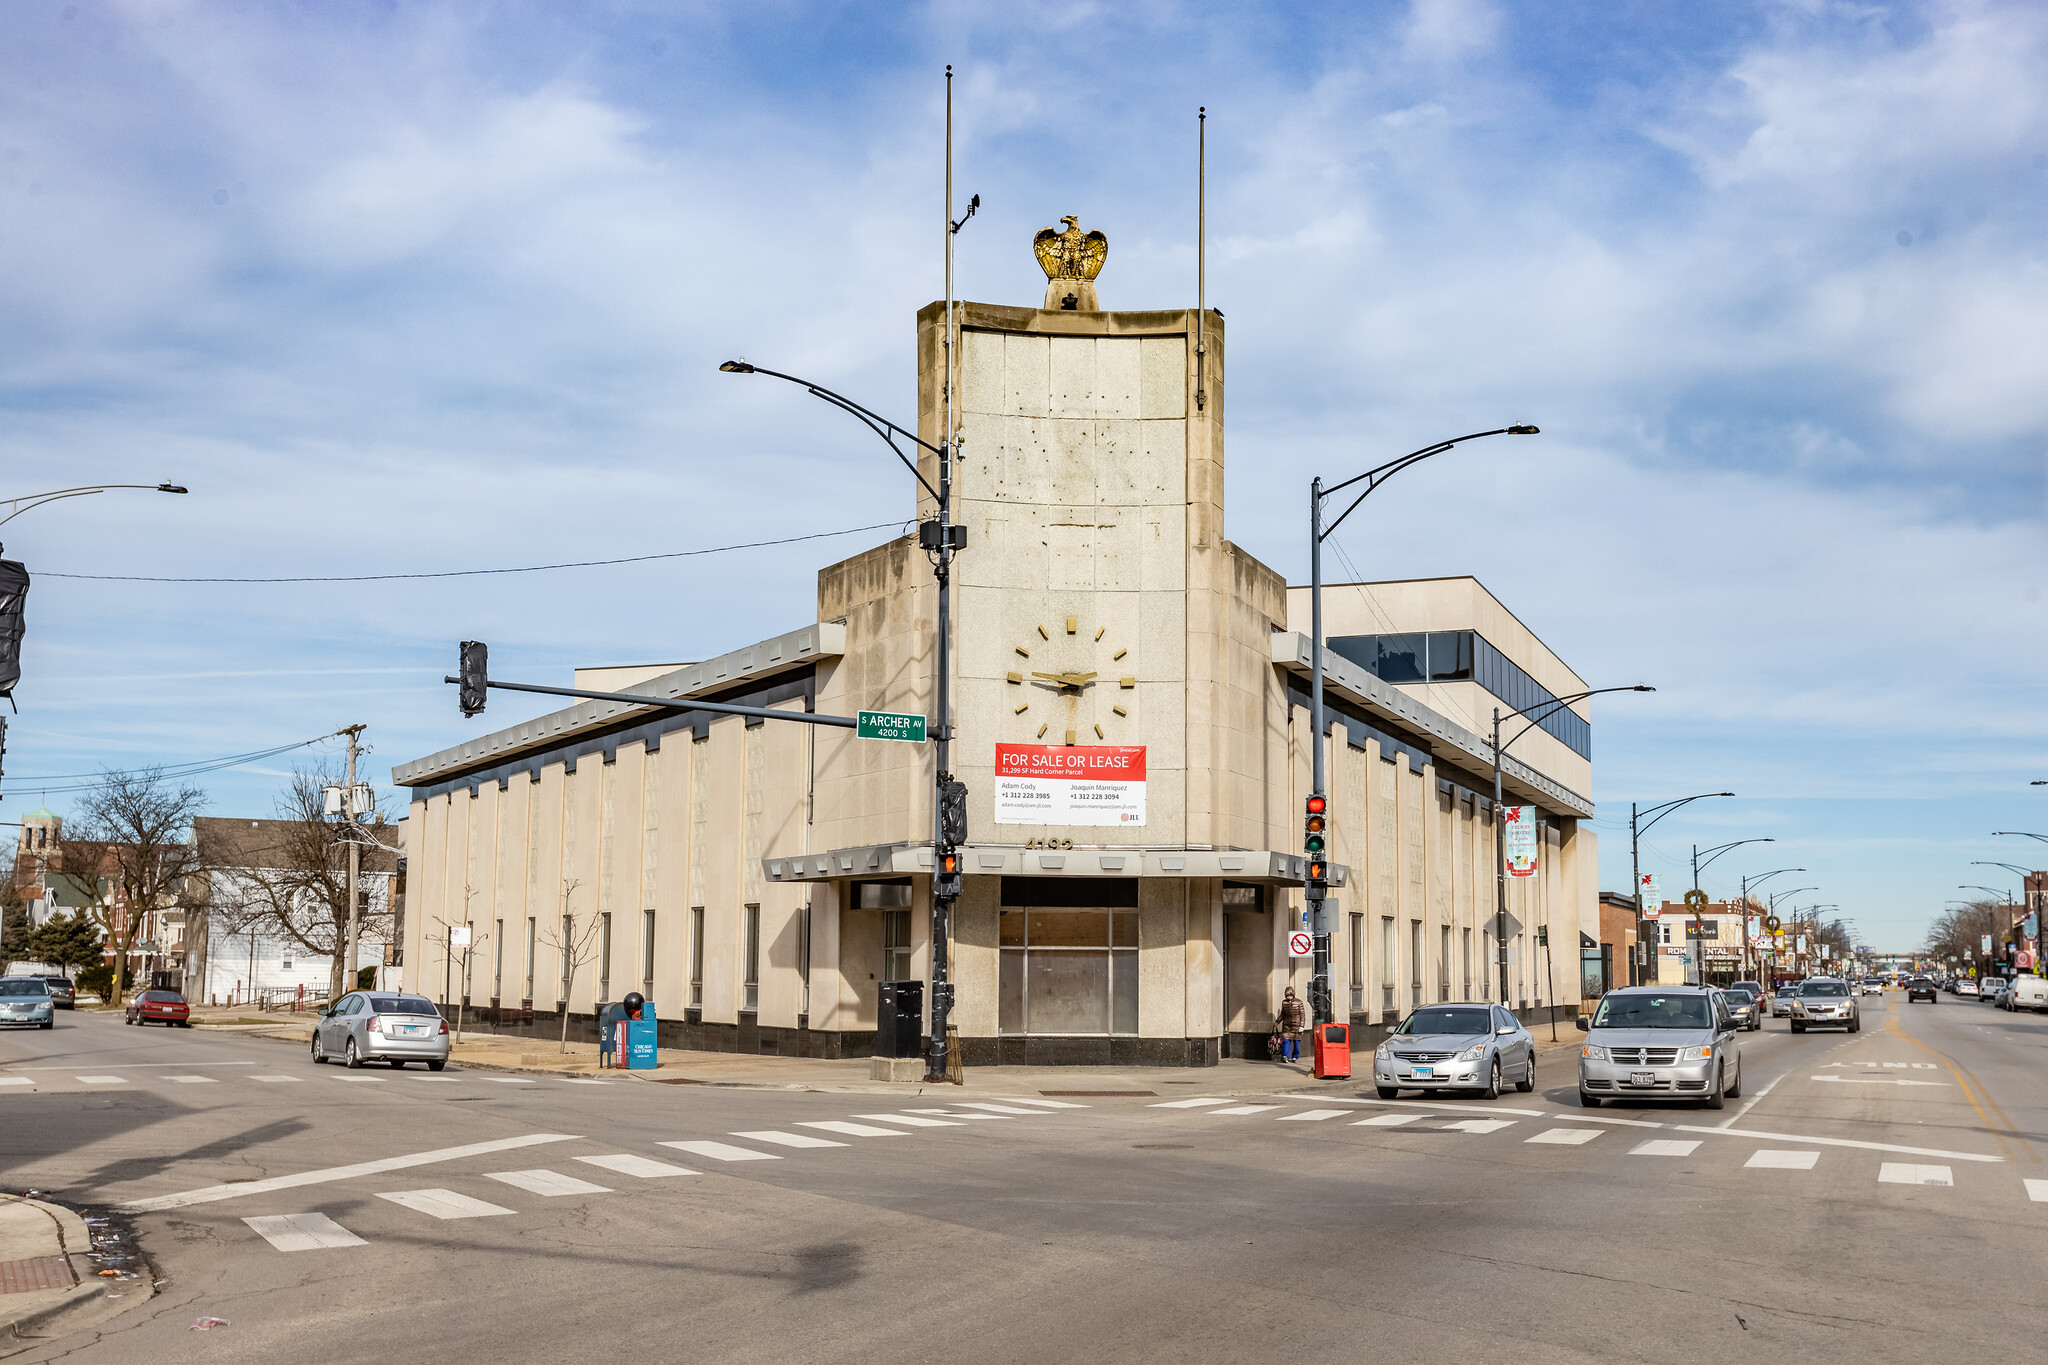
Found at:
(947, 880)
(473, 672)
(1314, 843)
(952, 813)
(13, 596)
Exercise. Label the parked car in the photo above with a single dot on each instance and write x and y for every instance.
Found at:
(1966, 987)
(62, 992)
(366, 1026)
(1921, 986)
(1826, 1003)
(1660, 1042)
(1455, 1047)
(25, 1003)
(2028, 993)
(1993, 989)
(1745, 1007)
(1781, 1003)
(159, 1007)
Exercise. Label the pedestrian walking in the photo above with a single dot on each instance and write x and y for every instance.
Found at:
(1292, 1019)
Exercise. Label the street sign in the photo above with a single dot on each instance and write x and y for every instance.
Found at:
(1300, 944)
(889, 725)
(1695, 900)
(458, 936)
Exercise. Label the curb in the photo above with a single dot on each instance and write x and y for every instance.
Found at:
(74, 1240)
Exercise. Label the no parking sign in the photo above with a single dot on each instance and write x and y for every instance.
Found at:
(1300, 944)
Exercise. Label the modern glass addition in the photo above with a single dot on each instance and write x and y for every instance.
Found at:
(1463, 656)
(1068, 968)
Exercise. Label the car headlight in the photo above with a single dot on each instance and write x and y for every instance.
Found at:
(1473, 1053)
(1696, 1054)
(1382, 1053)
(1593, 1052)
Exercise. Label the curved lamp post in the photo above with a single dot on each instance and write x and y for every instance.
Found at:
(1748, 882)
(28, 502)
(1637, 827)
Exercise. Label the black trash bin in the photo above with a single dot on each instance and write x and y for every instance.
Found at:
(900, 1019)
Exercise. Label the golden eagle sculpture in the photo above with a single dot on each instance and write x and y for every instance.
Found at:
(1071, 261)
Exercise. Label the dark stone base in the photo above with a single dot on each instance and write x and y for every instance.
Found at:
(1029, 1051)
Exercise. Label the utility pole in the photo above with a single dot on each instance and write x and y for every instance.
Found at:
(355, 852)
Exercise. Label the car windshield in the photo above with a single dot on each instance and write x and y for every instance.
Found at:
(1818, 988)
(1463, 1021)
(23, 988)
(1739, 995)
(1653, 1011)
(402, 1004)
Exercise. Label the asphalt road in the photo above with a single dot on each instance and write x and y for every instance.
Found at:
(1866, 1199)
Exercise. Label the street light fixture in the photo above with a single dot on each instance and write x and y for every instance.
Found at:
(1500, 848)
(28, 502)
(1637, 827)
(1748, 882)
(1319, 990)
(2020, 833)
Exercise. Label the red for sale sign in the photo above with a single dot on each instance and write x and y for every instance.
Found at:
(1051, 784)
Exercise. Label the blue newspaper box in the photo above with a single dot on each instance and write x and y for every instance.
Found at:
(639, 1040)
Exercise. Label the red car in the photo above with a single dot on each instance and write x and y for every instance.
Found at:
(159, 1007)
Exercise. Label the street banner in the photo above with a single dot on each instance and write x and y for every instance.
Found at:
(1649, 897)
(1799, 944)
(1048, 784)
(1756, 932)
(1987, 943)
(1521, 840)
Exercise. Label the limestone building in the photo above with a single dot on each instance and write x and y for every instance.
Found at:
(1131, 712)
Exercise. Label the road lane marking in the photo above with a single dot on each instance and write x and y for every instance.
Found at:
(1567, 1137)
(1662, 1147)
(1043, 1104)
(279, 1080)
(2037, 1190)
(721, 1151)
(572, 1080)
(949, 1114)
(510, 1080)
(1778, 1159)
(1245, 1109)
(1906, 1173)
(303, 1232)
(911, 1121)
(213, 1193)
(1875, 1080)
(15, 1080)
(1186, 1104)
(445, 1204)
(1838, 1142)
(854, 1129)
(626, 1163)
(1969, 1090)
(1479, 1125)
(789, 1139)
(1002, 1108)
(138, 1066)
(553, 1184)
(379, 1080)
(1386, 1120)
(194, 1080)
(1313, 1115)
(1439, 1105)
(104, 1080)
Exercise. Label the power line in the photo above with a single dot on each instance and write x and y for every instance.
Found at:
(175, 770)
(471, 573)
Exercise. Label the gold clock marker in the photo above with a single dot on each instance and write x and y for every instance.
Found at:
(1041, 732)
(1022, 709)
(1015, 677)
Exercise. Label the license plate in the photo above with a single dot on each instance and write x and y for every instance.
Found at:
(1428, 1071)
(1642, 1078)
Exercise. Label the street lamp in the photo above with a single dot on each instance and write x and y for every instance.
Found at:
(1748, 882)
(30, 501)
(2020, 833)
(1319, 990)
(940, 539)
(1637, 827)
(1500, 848)
(1697, 968)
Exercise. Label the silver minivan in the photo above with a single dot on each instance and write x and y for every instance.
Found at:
(1660, 1043)
(382, 1026)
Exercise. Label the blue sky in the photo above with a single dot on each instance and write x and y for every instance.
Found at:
(412, 286)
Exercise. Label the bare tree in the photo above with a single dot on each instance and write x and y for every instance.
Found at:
(148, 859)
(1958, 932)
(576, 943)
(287, 879)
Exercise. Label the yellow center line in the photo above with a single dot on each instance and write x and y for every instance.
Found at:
(1970, 1085)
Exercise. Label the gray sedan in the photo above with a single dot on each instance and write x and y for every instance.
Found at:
(25, 1003)
(1660, 1042)
(1456, 1047)
(368, 1026)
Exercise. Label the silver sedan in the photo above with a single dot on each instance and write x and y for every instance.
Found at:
(374, 1026)
(25, 1003)
(1456, 1047)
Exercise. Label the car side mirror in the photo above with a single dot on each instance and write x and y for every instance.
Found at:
(1503, 1032)
(1585, 1024)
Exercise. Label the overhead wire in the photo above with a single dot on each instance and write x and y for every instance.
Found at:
(87, 781)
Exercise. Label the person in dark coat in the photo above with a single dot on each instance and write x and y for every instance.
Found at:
(1292, 1019)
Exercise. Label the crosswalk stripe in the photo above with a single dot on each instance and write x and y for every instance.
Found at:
(996, 1108)
(1567, 1137)
(574, 1080)
(377, 1079)
(1479, 1125)
(16, 1080)
(789, 1139)
(722, 1151)
(1312, 1115)
(553, 1184)
(1043, 1104)
(1663, 1147)
(2037, 1190)
(445, 1204)
(949, 1114)
(303, 1232)
(914, 1122)
(104, 1080)
(854, 1129)
(194, 1080)
(1778, 1159)
(626, 1163)
(1386, 1120)
(510, 1080)
(1185, 1104)
(279, 1080)
(1245, 1109)
(1908, 1173)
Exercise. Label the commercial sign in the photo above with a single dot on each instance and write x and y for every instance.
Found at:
(1521, 840)
(889, 725)
(1049, 784)
(1649, 897)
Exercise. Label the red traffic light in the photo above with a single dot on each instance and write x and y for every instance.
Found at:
(950, 863)
(1317, 805)
(1318, 871)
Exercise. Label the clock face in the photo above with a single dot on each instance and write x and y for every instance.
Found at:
(1060, 669)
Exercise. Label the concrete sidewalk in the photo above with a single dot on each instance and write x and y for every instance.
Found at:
(50, 1282)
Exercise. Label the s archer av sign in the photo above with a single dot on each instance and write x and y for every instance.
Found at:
(1050, 784)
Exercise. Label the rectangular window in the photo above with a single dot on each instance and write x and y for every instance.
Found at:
(568, 938)
(604, 957)
(1357, 964)
(532, 934)
(1450, 656)
(1468, 965)
(751, 1001)
(895, 945)
(1067, 970)
(1443, 964)
(803, 956)
(1388, 948)
(1400, 658)
(697, 957)
(1414, 963)
(498, 962)
(647, 953)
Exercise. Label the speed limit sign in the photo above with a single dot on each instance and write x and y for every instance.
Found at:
(1300, 944)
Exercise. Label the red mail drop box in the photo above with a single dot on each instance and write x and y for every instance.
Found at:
(1333, 1051)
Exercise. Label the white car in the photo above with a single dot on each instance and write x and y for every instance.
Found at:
(2028, 993)
(1872, 986)
(1993, 989)
(1966, 987)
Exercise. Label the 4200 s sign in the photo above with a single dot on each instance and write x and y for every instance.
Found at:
(1046, 784)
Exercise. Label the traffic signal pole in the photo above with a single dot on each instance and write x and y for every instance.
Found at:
(1315, 880)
